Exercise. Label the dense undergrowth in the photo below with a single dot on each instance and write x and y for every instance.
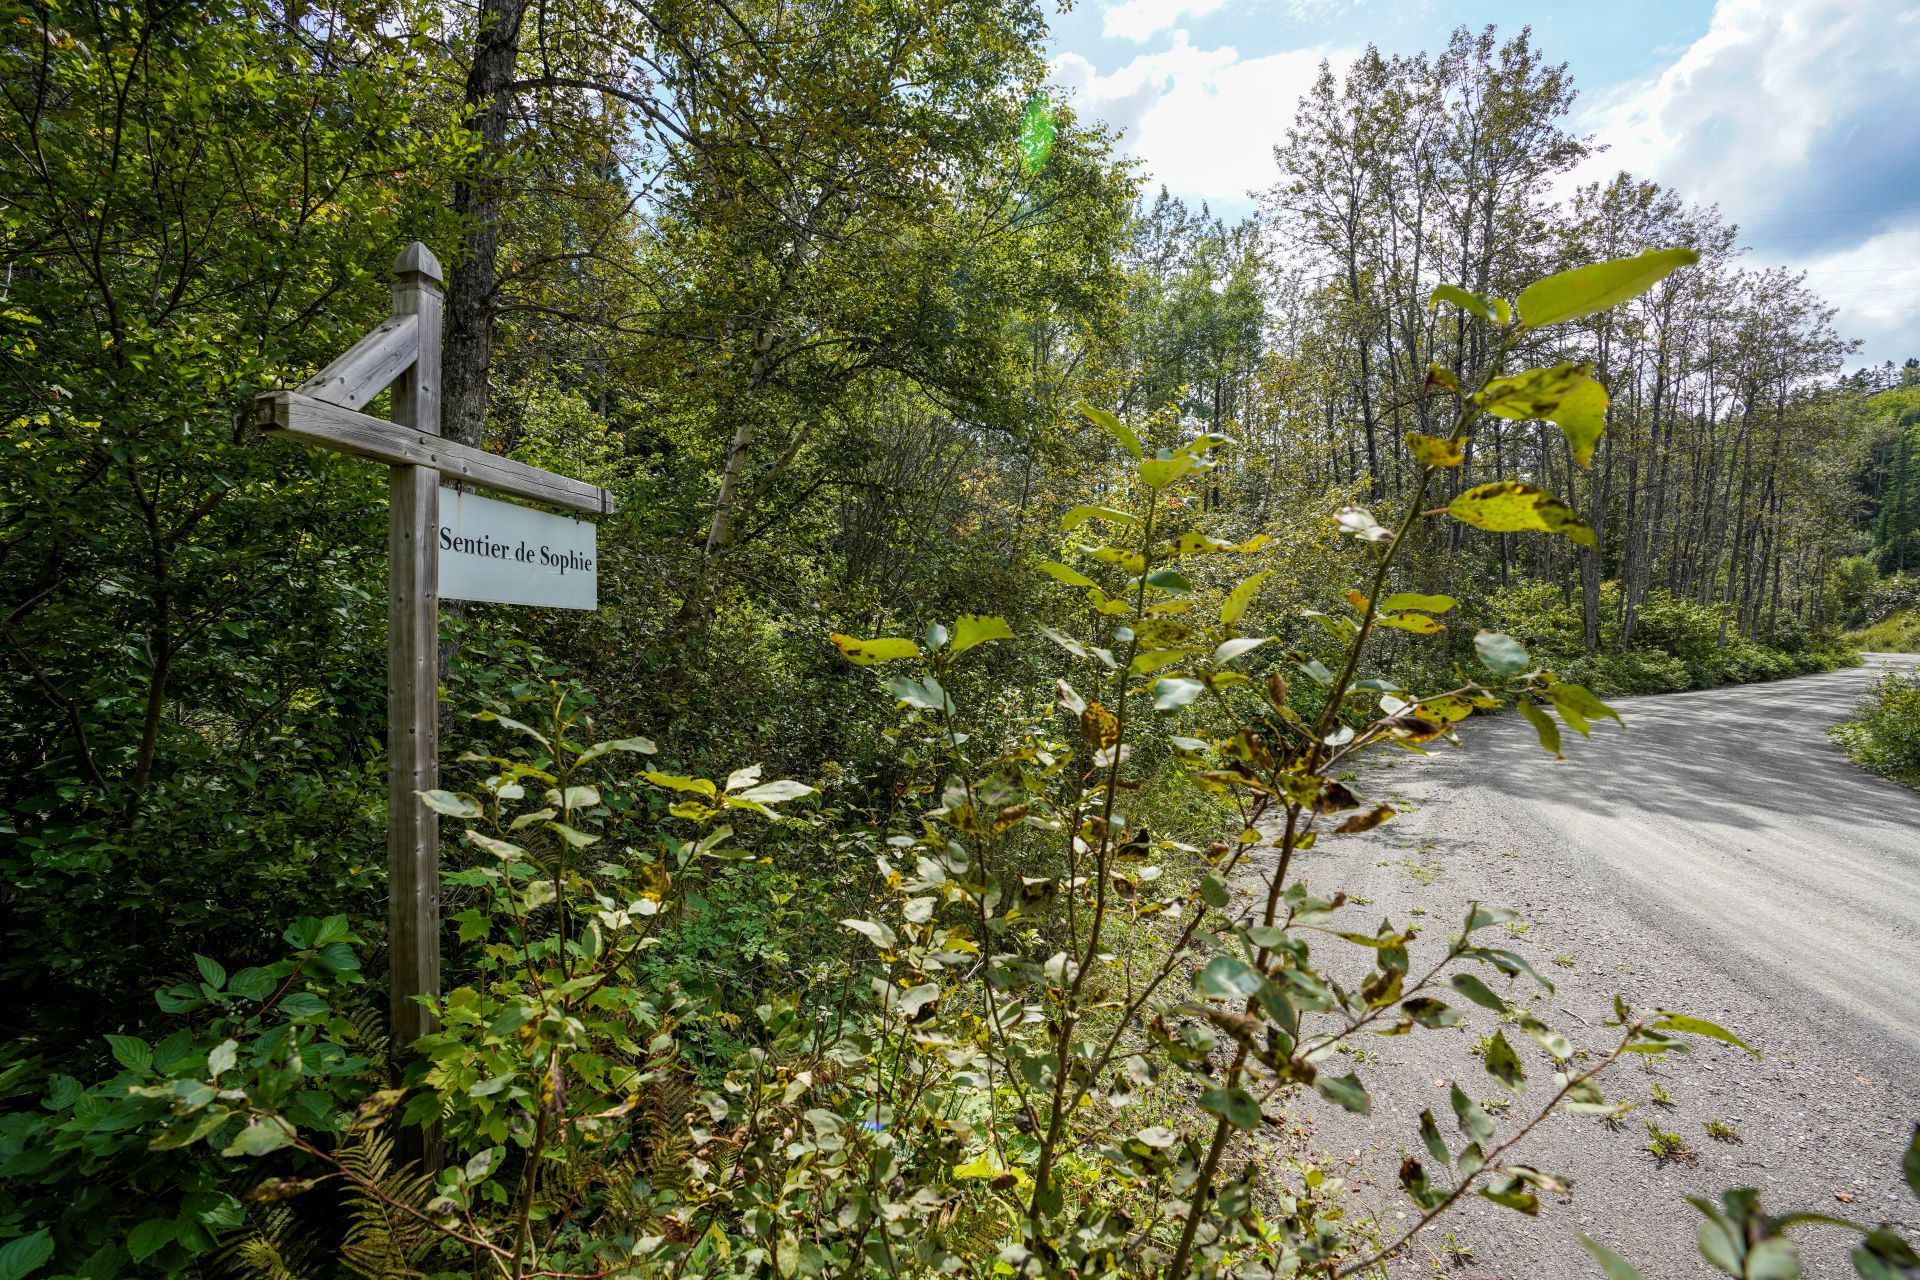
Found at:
(1884, 732)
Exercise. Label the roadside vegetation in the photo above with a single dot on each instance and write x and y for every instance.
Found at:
(1884, 733)
(899, 874)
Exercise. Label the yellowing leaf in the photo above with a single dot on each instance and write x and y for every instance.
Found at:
(1432, 451)
(1061, 573)
(1564, 395)
(1531, 393)
(1158, 473)
(1080, 515)
(674, 782)
(973, 629)
(871, 653)
(1418, 623)
(1582, 417)
(1099, 726)
(1197, 543)
(1583, 291)
(1507, 506)
(1241, 596)
(1119, 557)
(1414, 600)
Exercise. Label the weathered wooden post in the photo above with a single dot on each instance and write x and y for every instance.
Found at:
(496, 552)
(413, 664)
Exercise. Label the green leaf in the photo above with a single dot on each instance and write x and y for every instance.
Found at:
(1571, 295)
(1080, 515)
(1689, 1025)
(1170, 581)
(1475, 1123)
(1414, 600)
(1226, 978)
(261, 1135)
(132, 1052)
(446, 802)
(1478, 992)
(1111, 425)
(1509, 1191)
(1582, 419)
(776, 792)
(1061, 573)
(1773, 1259)
(1236, 1106)
(870, 653)
(303, 1004)
(879, 934)
(221, 1057)
(926, 694)
(1612, 1264)
(212, 972)
(1503, 1064)
(1229, 650)
(1543, 725)
(1507, 506)
(1577, 706)
(1910, 1163)
(150, 1237)
(638, 746)
(1213, 891)
(1501, 654)
(21, 1258)
(1547, 1038)
(1158, 473)
(937, 635)
(974, 628)
(1429, 1012)
(1170, 693)
(1430, 1135)
(1345, 1091)
(1464, 299)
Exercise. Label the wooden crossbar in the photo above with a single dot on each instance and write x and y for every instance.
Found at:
(313, 421)
(369, 364)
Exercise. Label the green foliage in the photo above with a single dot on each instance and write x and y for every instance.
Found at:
(134, 1174)
(1884, 733)
(814, 300)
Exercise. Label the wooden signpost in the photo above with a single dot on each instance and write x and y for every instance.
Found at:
(404, 352)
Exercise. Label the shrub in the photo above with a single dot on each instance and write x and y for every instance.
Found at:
(1884, 734)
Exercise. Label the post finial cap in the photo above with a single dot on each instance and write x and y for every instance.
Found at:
(417, 260)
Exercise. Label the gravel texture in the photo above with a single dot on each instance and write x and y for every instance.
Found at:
(1717, 857)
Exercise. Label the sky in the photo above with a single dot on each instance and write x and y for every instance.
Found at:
(1800, 118)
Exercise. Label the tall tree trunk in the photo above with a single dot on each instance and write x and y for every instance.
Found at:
(478, 197)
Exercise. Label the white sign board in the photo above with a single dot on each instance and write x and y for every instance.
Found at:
(515, 555)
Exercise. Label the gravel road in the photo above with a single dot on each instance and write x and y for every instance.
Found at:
(1717, 857)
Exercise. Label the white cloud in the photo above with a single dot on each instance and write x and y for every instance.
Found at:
(1141, 20)
(1203, 121)
(1876, 286)
(1796, 118)
(1770, 87)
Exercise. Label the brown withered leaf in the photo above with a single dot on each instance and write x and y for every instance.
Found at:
(1365, 821)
